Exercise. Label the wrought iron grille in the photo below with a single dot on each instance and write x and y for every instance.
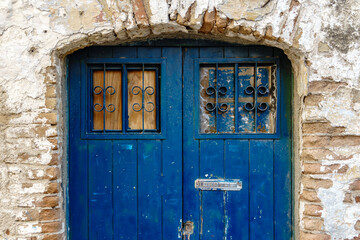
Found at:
(238, 98)
(124, 98)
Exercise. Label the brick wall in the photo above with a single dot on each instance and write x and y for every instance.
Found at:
(319, 37)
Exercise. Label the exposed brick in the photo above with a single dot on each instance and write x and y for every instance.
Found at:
(357, 225)
(348, 198)
(29, 215)
(50, 201)
(50, 91)
(50, 227)
(317, 168)
(355, 185)
(321, 154)
(140, 13)
(357, 199)
(312, 236)
(313, 210)
(321, 127)
(50, 103)
(221, 24)
(313, 224)
(52, 188)
(245, 30)
(313, 183)
(53, 237)
(50, 118)
(49, 214)
(313, 99)
(208, 22)
(310, 196)
(257, 34)
(331, 141)
(324, 86)
(54, 159)
(269, 33)
(54, 144)
(52, 173)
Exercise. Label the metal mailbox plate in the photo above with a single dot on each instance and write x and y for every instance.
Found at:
(218, 184)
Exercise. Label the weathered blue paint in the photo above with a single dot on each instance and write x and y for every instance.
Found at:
(262, 209)
(128, 186)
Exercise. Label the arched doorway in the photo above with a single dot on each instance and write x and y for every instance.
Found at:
(180, 140)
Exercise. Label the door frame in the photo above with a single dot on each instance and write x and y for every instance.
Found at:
(205, 43)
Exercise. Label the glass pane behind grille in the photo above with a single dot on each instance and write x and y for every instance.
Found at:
(241, 104)
(108, 109)
(217, 100)
(142, 100)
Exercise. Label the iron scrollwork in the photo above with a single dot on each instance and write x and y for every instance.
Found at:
(108, 90)
(222, 107)
(149, 91)
(261, 91)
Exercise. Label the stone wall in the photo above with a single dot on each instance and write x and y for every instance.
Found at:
(320, 38)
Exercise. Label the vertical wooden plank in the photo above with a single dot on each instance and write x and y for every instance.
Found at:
(135, 99)
(149, 189)
(149, 52)
(113, 120)
(125, 189)
(150, 99)
(98, 115)
(260, 51)
(237, 52)
(211, 52)
(212, 166)
(172, 148)
(282, 169)
(237, 202)
(282, 179)
(100, 189)
(261, 190)
(124, 52)
(100, 52)
(78, 165)
(191, 196)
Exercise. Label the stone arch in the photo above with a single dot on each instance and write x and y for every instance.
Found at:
(219, 22)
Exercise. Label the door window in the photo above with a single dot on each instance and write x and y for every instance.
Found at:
(123, 100)
(237, 99)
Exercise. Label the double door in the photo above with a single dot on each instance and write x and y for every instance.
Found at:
(179, 143)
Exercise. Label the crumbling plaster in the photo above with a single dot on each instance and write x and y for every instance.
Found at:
(319, 37)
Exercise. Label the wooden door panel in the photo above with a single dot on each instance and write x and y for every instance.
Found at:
(125, 184)
(259, 157)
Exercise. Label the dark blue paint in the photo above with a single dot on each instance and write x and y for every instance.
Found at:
(126, 186)
(125, 189)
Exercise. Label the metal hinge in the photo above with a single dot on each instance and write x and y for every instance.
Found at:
(187, 229)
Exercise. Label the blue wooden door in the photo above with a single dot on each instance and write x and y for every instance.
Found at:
(237, 130)
(125, 151)
(148, 124)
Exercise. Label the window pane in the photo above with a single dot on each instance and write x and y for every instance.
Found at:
(142, 100)
(111, 108)
(257, 99)
(217, 99)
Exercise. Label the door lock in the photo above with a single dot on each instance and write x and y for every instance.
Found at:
(187, 229)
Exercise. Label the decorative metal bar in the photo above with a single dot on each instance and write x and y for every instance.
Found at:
(222, 107)
(97, 90)
(136, 106)
(261, 106)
